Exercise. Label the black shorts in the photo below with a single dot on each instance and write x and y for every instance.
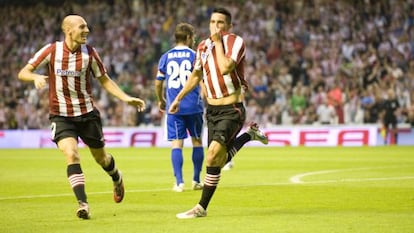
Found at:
(88, 127)
(225, 122)
(390, 120)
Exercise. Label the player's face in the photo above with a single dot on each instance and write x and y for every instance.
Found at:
(218, 23)
(80, 31)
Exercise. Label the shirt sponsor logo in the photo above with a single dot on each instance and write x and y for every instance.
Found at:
(71, 73)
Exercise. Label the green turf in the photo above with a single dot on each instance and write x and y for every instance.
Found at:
(344, 189)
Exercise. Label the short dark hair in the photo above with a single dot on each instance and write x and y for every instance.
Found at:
(182, 31)
(223, 11)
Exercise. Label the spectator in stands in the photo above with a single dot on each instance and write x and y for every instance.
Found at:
(411, 111)
(3, 115)
(335, 100)
(363, 39)
(352, 108)
(298, 101)
(326, 113)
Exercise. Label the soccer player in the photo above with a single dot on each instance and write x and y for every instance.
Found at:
(220, 64)
(70, 64)
(174, 67)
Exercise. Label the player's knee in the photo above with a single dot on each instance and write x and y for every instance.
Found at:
(216, 155)
(197, 142)
(100, 156)
(71, 154)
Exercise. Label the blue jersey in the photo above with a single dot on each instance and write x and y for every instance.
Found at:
(175, 67)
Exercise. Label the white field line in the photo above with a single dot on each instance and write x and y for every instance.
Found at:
(297, 179)
(293, 181)
(71, 194)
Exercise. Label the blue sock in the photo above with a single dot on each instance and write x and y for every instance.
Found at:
(177, 162)
(198, 158)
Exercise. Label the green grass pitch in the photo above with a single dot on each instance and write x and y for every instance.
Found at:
(271, 189)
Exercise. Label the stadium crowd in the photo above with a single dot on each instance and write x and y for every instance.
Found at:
(309, 61)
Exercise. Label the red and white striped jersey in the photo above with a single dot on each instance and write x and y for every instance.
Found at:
(70, 91)
(218, 85)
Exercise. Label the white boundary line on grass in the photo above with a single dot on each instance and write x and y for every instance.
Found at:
(297, 179)
(71, 194)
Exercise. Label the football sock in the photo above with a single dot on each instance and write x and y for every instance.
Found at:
(210, 184)
(198, 158)
(112, 170)
(77, 181)
(177, 162)
(238, 143)
(393, 137)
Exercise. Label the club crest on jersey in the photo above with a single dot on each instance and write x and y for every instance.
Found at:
(70, 73)
(204, 55)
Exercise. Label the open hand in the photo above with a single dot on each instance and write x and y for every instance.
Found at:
(138, 103)
(40, 81)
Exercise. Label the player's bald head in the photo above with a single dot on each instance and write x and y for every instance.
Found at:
(69, 21)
